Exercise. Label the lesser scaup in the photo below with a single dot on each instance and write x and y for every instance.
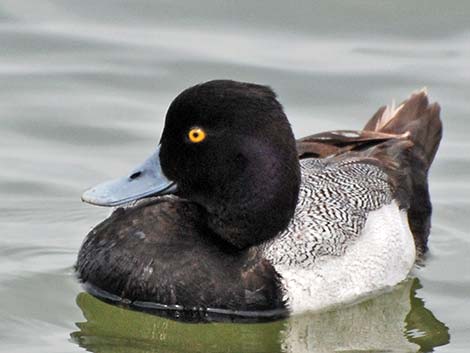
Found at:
(239, 217)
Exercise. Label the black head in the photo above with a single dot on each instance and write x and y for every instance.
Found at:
(229, 147)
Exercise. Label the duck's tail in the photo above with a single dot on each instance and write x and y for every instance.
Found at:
(418, 125)
(415, 119)
(403, 140)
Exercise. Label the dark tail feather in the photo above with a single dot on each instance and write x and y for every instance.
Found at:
(420, 129)
(415, 116)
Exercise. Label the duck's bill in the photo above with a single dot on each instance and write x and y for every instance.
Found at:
(144, 181)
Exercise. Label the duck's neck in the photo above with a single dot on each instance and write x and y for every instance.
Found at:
(258, 203)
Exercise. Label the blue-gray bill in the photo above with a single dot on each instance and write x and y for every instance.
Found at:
(144, 181)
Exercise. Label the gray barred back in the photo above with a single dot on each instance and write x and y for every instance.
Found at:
(334, 201)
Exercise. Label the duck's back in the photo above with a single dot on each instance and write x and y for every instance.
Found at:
(335, 200)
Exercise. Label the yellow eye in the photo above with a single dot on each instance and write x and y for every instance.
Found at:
(196, 135)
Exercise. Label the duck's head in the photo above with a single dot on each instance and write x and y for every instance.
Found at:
(228, 147)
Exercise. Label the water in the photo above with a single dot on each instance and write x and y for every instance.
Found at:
(84, 88)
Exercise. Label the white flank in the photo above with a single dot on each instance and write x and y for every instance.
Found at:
(381, 257)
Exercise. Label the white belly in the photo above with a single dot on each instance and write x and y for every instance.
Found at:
(380, 257)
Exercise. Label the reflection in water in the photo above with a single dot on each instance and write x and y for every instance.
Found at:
(394, 321)
(421, 326)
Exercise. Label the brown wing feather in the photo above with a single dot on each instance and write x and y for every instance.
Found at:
(339, 141)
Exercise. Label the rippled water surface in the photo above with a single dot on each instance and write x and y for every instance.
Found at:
(84, 89)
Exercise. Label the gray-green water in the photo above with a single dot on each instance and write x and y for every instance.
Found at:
(84, 88)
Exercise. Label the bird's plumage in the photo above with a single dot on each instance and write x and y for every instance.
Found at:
(256, 212)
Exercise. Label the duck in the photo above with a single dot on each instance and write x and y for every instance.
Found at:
(231, 215)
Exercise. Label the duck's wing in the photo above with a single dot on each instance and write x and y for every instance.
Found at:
(337, 142)
(403, 141)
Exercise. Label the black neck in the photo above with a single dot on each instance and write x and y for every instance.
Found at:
(257, 204)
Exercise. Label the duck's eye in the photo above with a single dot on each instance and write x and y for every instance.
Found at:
(196, 135)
